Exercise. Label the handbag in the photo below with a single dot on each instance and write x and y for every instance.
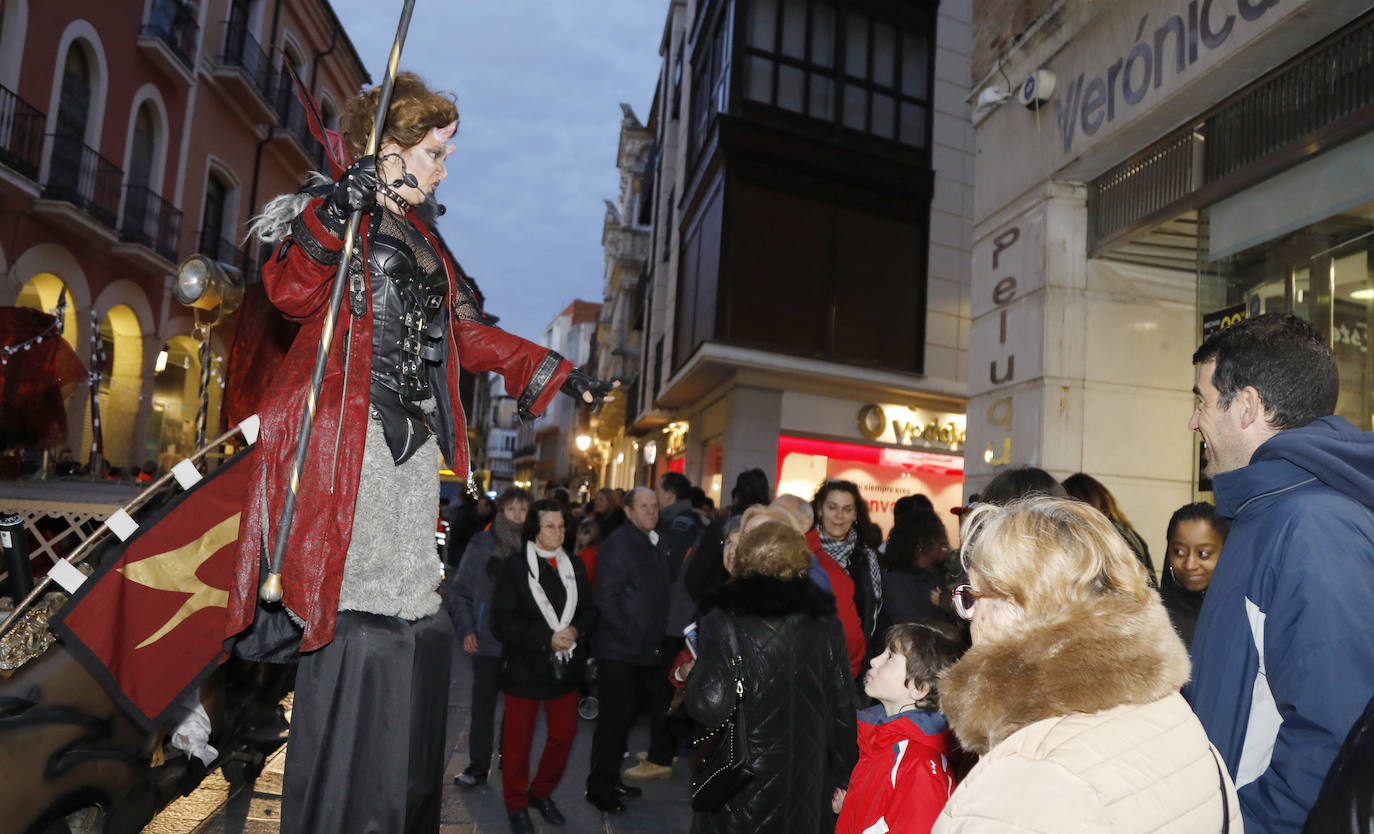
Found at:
(1225, 800)
(721, 765)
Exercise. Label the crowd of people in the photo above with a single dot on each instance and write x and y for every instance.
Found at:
(1040, 676)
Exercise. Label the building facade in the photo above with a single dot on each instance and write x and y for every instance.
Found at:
(626, 239)
(1150, 170)
(805, 301)
(133, 134)
(547, 449)
(496, 430)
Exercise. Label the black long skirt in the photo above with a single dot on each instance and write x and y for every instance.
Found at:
(366, 750)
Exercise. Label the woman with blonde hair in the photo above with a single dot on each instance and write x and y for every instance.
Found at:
(798, 705)
(1070, 692)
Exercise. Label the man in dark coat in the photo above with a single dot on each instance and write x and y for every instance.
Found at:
(632, 599)
(681, 528)
(677, 523)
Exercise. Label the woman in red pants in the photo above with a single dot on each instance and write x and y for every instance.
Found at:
(542, 613)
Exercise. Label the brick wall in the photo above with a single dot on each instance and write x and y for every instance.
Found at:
(996, 23)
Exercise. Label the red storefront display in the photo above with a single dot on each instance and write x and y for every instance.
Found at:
(882, 473)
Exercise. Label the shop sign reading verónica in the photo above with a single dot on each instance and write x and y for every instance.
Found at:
(1171, 39)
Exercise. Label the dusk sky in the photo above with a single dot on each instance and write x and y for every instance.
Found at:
(539, 86)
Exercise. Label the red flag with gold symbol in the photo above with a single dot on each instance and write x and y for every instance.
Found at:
(150, 623)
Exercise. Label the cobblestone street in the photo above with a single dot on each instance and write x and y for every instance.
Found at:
(216, 808)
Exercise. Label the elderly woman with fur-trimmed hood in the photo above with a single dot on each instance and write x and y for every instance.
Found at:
(1070, 692)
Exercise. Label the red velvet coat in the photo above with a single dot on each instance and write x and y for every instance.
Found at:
(300, 287)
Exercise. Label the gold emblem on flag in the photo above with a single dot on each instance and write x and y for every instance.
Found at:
(176, 569)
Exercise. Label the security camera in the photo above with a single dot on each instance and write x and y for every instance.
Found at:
(1036, 89)
(991, 97)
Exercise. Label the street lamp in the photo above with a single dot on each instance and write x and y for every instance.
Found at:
(584, 442)
(204, 284)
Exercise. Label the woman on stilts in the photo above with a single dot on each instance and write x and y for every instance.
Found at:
(360, 574)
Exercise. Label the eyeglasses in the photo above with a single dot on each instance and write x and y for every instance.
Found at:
(964, 597)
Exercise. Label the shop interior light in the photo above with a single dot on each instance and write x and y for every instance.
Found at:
(1363, 295)
(206, 285)
(161, 362)
(584, 442)
(651, 452)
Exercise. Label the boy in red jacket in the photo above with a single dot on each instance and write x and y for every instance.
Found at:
(903, 777)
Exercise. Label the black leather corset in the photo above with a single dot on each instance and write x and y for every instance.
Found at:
(409, 313)
(409, 326)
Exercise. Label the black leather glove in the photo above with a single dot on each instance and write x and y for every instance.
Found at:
(356, 190)
(579, 383)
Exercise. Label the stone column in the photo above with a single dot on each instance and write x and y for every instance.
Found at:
(753, 416)
(1079, 365)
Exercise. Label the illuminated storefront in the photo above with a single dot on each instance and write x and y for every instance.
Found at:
(892, 451)
(1283, 246)
(883, 475)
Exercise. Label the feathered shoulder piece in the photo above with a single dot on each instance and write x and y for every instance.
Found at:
(274, 223)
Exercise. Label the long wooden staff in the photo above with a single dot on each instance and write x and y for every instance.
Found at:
(270, 591)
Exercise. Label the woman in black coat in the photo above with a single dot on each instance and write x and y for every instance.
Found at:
(914, 575)
(542, 613)
(798, 704)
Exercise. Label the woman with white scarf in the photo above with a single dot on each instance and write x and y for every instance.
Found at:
(541, 612)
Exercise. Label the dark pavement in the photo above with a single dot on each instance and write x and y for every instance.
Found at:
(215, 808)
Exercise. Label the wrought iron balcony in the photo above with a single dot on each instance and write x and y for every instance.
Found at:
(150, 221)
(1323, 98)
(293, 124)
(212, 245)
(241, 50)
(245, 72)
(21, 134)
(174, 23)
(81, 176)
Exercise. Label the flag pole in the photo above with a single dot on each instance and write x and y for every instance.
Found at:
(271, 589)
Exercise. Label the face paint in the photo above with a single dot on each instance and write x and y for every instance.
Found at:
(445, 133)
(425, 162)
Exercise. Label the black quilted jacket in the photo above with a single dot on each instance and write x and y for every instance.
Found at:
(798, 704)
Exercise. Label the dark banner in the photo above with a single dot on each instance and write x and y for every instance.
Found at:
(150, 623)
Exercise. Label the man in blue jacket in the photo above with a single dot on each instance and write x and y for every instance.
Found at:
(1283, 658)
